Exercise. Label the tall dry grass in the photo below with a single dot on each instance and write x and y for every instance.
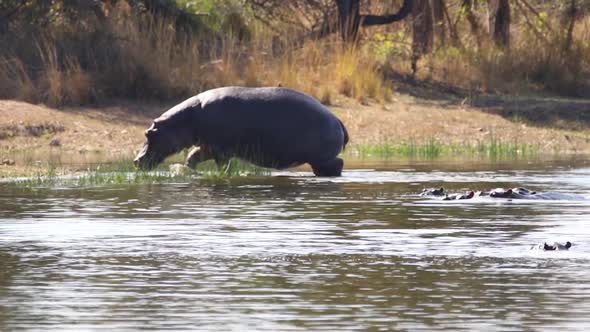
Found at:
(536, 61)
(15, 81)
(144, 57)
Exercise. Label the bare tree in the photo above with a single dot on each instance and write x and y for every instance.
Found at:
(305, 15)
(323, 17)
(423, 31)
(571, 17)
(440, 28)
(467, 7)
(350, 19)
(501, 17)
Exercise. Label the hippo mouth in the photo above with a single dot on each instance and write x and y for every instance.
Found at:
(146, 159)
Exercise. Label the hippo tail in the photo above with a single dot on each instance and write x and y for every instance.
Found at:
(345, 135)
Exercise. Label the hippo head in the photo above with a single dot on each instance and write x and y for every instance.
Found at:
(170, 133)
(433, 192)
(501, 192)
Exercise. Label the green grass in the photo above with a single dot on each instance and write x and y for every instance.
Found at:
(432, 149)
(123, 172)
(55, 173)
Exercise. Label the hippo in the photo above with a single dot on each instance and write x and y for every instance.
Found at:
(554, 246)
(509, 193)
(272, 127)
(518, 193)
(433, 192)
(557, 246)
(467, 195)
(524, 193)
(441, 192)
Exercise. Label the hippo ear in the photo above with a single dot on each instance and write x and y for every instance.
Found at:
(151, 132)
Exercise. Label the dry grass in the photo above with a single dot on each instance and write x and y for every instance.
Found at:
(15, 81)
(536, 61)
(143, 57)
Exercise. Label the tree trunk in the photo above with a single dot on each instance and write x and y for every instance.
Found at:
(571, 16)
(349, 19)
(467, 8)
(502, 23)
(423, 31)
(438, 12)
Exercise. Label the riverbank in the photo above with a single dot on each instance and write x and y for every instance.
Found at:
(31, 134)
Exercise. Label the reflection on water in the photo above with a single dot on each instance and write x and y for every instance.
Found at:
(296, 252)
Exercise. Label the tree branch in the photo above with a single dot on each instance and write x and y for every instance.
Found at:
(532, 9)
(404, 11)
(15, 10)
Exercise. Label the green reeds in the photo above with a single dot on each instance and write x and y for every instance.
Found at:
(433, 149)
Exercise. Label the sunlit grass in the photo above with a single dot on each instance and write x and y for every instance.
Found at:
(432, 149)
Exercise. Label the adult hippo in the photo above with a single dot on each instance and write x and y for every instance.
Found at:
(271, 127)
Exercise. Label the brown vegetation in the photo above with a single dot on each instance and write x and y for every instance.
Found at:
(131, 54)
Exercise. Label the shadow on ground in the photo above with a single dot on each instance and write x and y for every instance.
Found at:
(538, 110)
(124, 111)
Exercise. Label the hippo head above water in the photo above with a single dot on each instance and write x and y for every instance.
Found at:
(433, 192)
(167, 135)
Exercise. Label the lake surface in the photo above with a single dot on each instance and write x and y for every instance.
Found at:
(295, 252)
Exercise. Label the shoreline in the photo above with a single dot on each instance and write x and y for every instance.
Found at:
(407, 126)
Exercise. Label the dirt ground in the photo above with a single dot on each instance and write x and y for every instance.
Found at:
(408, 118)
(117, 130)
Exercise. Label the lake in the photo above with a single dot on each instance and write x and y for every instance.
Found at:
(293, 252)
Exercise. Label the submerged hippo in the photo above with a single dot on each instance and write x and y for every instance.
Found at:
(557, 246)
(524, 193)
(433, 192)
(446, 196)
(509, 193)
(467, 195)
(554, 246)
(271, 127)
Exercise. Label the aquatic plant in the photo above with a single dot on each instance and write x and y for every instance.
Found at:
(123, 172)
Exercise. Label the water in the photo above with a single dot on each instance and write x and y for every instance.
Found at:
(294, 252)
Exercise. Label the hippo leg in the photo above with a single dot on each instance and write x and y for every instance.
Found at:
(328, 168)
(197, 155)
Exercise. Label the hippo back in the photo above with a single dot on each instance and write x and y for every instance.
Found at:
(283, 126)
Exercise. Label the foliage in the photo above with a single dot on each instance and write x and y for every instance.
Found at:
(216, 14)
